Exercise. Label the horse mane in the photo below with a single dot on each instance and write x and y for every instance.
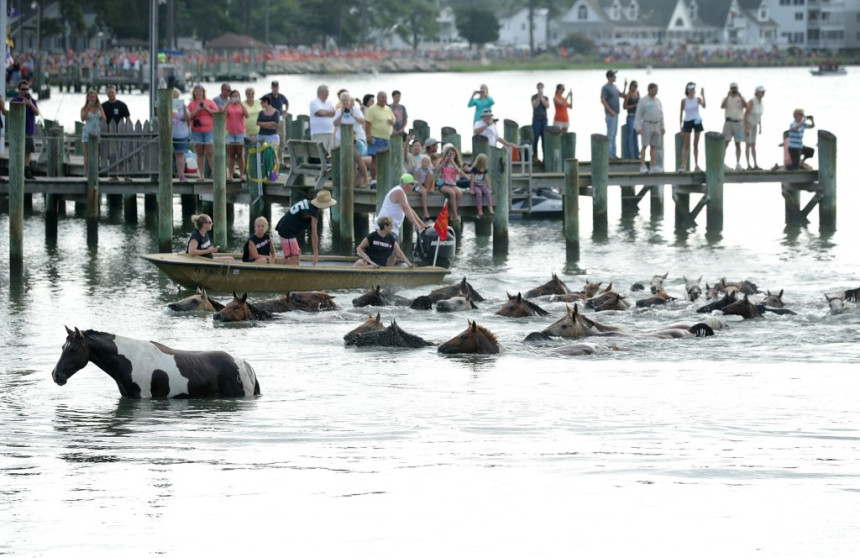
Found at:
(485, 331)
(259, 313)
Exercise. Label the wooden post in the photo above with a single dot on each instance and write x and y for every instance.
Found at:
(219, 178)
(93, 192)
(421, 130)
(54, 138)
(527, 138)
(827, 180)
(571, 209)
(384, 180)
(715, 152)
(453, 139)
(568, 146)
(511, 131)
(16, 132)
(599, 181)
(552, 146)
(625, 148)
(335, 211)
(481, 145)
(347, 188)
(79, 146)
(500, 176)
(165, 173)
(396, 147)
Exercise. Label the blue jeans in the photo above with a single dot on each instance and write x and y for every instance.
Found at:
(611, 132)
(632, 138)
(538, 126)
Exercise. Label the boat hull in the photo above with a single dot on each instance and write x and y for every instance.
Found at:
(333, 272)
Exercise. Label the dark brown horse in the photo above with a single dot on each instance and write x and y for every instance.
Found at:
(576, 325)
(198, 302)
(518, 307)
(240, 310)
(660, 297)
(743, 308)
(571, 326)
(475, 339)
(391, 336)
(774, 300)
(310, 301)
(379, 296)
(554, 286)
(462, 288)
(370, 324)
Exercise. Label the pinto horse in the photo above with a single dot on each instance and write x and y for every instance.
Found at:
(240, 310)
(146, 369)
(198, 302)
(475, 339)
(456, 304)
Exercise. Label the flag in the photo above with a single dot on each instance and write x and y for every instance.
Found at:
(441, 225)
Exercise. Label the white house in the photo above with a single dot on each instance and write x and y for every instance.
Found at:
(514, 29)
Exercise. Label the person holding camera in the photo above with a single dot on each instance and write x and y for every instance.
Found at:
(481, 100)
(735, 105)
(562, 102)
(29, 123)
(540, 103)
(350, 113)
(200, 111)
(486, 126)
(92, 115)
(795, 140)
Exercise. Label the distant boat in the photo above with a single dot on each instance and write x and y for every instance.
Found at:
(828, 69)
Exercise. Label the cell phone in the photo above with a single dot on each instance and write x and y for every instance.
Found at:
(411, 132)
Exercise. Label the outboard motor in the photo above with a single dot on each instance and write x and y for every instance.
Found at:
(424, 248)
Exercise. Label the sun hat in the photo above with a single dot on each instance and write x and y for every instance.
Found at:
(760, 89)
(487, 112)
(448, 146)
(430, 142)
(407, 178)
(323, 200)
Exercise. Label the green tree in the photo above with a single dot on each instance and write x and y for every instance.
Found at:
(477, 25)
(579, 44)
(419, 23)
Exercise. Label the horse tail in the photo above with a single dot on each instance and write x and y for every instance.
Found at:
(252, 377)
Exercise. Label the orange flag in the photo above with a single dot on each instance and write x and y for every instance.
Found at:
(441, 225)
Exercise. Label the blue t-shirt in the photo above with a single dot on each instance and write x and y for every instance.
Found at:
(379, 248)
(612, 96)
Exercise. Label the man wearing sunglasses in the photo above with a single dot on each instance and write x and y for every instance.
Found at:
(30, 123)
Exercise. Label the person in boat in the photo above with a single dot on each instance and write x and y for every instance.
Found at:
(200, 243)
(396, 205)
(259, 247)
(795, 140)
(380, 248)
(301, 217)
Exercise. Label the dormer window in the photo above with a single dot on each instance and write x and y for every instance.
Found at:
(615, 14)
(694, 11)
(582, 13)
(633, 11)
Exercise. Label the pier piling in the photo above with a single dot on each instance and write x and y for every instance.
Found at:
(347, 189)
(15, 129)
(164, 206)
(219, 178)
(571, 209)
(827, 181)
(715, 174)
(599, 181)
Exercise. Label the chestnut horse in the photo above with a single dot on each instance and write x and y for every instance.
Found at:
(475, 339)
(370, 324)
(310, 301)
(146, 369)
(240, 310)
(554, 286)
(518, 307)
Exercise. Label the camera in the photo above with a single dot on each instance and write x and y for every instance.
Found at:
(346, 110)
(810, 117)
(495, 119)
(196, 122)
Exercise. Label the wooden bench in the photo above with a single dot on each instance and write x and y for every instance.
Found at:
(307, 158)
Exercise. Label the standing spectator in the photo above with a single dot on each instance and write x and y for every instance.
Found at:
(649, 122)
(481, 100)
(2, 118)
(201, 110)
(32, 111)
(691, 120)
(350, 113)
(795, 140)
(222, 100)
(322, 118)
(540, 103)
(92, 115)
(396, 205)
(267, 121)
(115, 111)
(401, 118)
(282, 105)
(236, 114)
(302, 216)
(486, 127)
(379, 125)
(253, 107)
(367, 102)
(752, 125)
(734, 105)
(181, 133)
(562, 102)
(610, 97)
(631, 100)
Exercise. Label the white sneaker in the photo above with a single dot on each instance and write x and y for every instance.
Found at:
(682, 169)
(643, 169)
(657, 168)
(738, 167)
(698, 169)
(726, 167)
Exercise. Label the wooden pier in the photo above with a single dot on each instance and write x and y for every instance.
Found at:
(350, 218)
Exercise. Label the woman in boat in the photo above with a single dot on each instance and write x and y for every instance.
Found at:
(200, 243)
(380, 248)
(259, 247)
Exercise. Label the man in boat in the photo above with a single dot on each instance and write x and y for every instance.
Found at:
(300, 217)
(396, 205)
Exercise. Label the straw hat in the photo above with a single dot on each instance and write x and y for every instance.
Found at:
(323, 200)
(448, 146)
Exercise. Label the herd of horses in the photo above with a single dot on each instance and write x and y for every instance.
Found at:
(144, 369)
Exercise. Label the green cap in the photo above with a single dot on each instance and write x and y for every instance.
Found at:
(407, 179)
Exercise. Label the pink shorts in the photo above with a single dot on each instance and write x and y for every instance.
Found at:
(290, 246)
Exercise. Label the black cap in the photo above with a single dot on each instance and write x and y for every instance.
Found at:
(275, 84)
(611, 73)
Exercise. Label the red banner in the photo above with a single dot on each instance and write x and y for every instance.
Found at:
(441, 225)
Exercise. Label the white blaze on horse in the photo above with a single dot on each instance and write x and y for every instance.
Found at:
(146, 369)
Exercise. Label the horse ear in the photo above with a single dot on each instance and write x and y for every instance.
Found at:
(69, 331)
(519, 297)
(378, 317)
(665, 275)
(235, 296)
(473, 326)
(699, 280)
(244, 297)
(78, 332)
(780, 293)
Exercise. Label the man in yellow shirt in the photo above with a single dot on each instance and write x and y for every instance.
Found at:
(379, 122)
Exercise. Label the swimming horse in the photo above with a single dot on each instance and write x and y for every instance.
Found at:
(462, 288)
(519, 307)
(309, 301)
(391, 336)
(240, 310)
(198, 302)
(370, 324)
(475, 339)
(146, 369)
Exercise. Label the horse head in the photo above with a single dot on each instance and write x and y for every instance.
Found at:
(657, 282)
(836, 302)
(370, 324)
(614, 301)
(475, 339)
(391, 336)
(422, 302)
(570, 326)
(240, 310)
(456, 304)
(554, 286)
(694, 290)
(591, 289)
(743, 308)
(75, 355)
(374, 297)
(198, 302)
(518, 307)
(313, 301)
(774, 300)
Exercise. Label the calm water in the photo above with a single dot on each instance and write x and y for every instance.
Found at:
(741, 444)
